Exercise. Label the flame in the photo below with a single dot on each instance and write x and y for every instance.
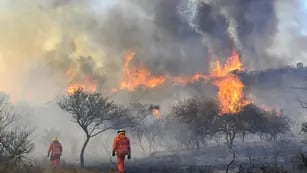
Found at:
(140, 76)
(187, 80)
(86, 83)
(230, 88)
(230, 95)
(232, 64)
(87, 86)
(199, 76)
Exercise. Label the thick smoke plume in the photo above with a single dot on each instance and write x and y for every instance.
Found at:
(43, 41)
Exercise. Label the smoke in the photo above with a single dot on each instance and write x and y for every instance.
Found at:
(46, 39)
(291, 34)
(248, 26)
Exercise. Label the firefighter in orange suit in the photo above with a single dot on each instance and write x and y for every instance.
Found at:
(55, 152)
(121, 147)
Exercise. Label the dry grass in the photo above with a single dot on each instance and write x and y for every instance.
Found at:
(70, 170)
(13, 168)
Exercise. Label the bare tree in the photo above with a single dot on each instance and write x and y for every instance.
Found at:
(247, 121)
(14, 138)
(16, 144)
(252, 120)
(93, 112)
(141, 130)
(229, 126)
(276, 125)
(200, 116)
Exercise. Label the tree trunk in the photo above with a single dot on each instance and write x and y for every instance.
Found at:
(82, 151)
(150, 146)
(232, 137)
(141, 145)
(197, 144)
(243, 136)
(154, 144)
(140, 137)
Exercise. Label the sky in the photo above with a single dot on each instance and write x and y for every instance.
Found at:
(304, 21)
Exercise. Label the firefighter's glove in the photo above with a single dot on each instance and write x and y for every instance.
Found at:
(129, 156)
(113, 154)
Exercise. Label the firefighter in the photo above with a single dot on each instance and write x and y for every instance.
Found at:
(55, 152)
(121, 147)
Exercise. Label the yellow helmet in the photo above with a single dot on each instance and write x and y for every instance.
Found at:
(55, 138)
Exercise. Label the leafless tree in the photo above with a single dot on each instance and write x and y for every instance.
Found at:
(153, 135)
(251, 119)
(276, 125)
(93, 112)
(229, 126)
(202, 118)
(200, 115)
(140, 113)
(14, 138)
(248, 121)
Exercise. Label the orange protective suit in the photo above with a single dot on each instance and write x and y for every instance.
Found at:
(55, 152)
(121, 146)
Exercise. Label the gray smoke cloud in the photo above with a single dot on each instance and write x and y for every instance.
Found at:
(173, 37)
(248, 26)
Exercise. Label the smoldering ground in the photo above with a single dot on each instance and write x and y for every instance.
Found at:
(42, 40)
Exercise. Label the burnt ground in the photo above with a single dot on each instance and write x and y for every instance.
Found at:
(214, 159)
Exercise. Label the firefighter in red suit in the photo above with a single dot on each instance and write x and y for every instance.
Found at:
(55, 152)
(121, 147)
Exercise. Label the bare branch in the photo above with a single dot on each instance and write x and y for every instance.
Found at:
(15, 140)
(101, 131)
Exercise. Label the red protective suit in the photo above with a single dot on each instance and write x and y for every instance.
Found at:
(55, 152)
(121, 146)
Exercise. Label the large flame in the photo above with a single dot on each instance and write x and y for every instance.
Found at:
(230, 88)
(139, 76)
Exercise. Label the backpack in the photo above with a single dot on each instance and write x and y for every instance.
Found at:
(123, 146)
(56, 150)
